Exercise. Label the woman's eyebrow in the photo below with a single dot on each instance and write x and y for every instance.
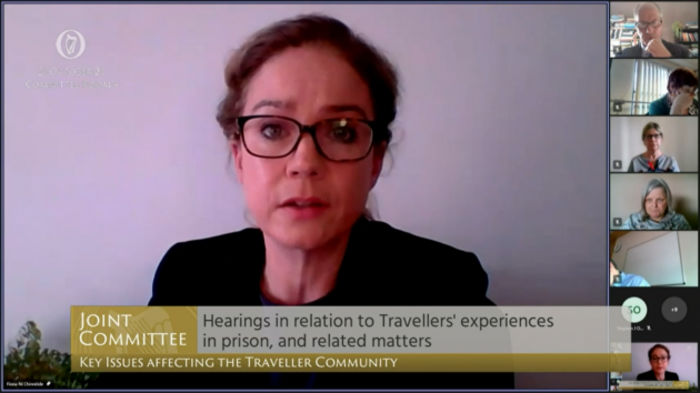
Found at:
(279, 104)
(337, 108)
(345, 108)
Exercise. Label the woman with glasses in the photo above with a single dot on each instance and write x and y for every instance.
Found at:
(653, 159)
(657, 212)
(659, 356)
(681, 98)
(308, 117)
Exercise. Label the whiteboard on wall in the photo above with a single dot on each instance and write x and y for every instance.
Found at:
(657, 260)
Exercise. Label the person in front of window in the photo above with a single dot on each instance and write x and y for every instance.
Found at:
(657, 213)
(681, 97)
(659, 357)
(618, 278)
(649, 24)
(307, 118)
(653, 160)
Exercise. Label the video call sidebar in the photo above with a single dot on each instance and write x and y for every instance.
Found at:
(654, 272)
(659, 314)
(663, 310)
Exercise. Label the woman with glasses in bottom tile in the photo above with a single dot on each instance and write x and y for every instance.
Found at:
(653, 159)
(308, 118)
(659, 357)
(657, 212)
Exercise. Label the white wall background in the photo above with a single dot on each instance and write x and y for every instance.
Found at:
(99, 183)
(688, 247)
(626, 194)
(622, 78)
(671, 11)
(684, 361)
(680, 140)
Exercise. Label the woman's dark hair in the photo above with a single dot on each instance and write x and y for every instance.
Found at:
(682, 77)
(657, 346)
(313, 29)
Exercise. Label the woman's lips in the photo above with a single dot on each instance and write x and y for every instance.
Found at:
(303, 202)
(303, 208)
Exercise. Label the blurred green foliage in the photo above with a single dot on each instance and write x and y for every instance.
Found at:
(28, 362)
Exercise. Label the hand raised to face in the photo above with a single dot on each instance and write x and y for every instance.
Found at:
(657, 48)
(681, 100)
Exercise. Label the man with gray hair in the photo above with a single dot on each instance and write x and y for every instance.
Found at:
(649, 22)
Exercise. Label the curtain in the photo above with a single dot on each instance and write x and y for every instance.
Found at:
(649, 85)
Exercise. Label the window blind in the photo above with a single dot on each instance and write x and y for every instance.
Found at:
(649, 85)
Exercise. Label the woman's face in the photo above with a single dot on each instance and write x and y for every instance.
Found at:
(308, 84)
(659, 360)
(652, 140)
(655, 204)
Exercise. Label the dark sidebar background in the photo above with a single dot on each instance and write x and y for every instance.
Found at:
(662, 330)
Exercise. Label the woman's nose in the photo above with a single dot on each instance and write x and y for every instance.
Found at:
(305, 161)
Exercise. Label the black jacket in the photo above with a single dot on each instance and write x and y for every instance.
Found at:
(650, 376)
(382, 267)
(677, 51)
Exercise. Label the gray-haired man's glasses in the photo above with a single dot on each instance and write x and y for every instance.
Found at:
(337, 140)
(644, 25)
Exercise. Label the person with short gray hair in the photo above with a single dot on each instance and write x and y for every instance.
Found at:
(649, 24)
(653, 159)
(657, 212)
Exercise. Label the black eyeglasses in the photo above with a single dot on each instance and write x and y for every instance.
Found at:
(652, 136)
(337, 140)
(654, 23)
